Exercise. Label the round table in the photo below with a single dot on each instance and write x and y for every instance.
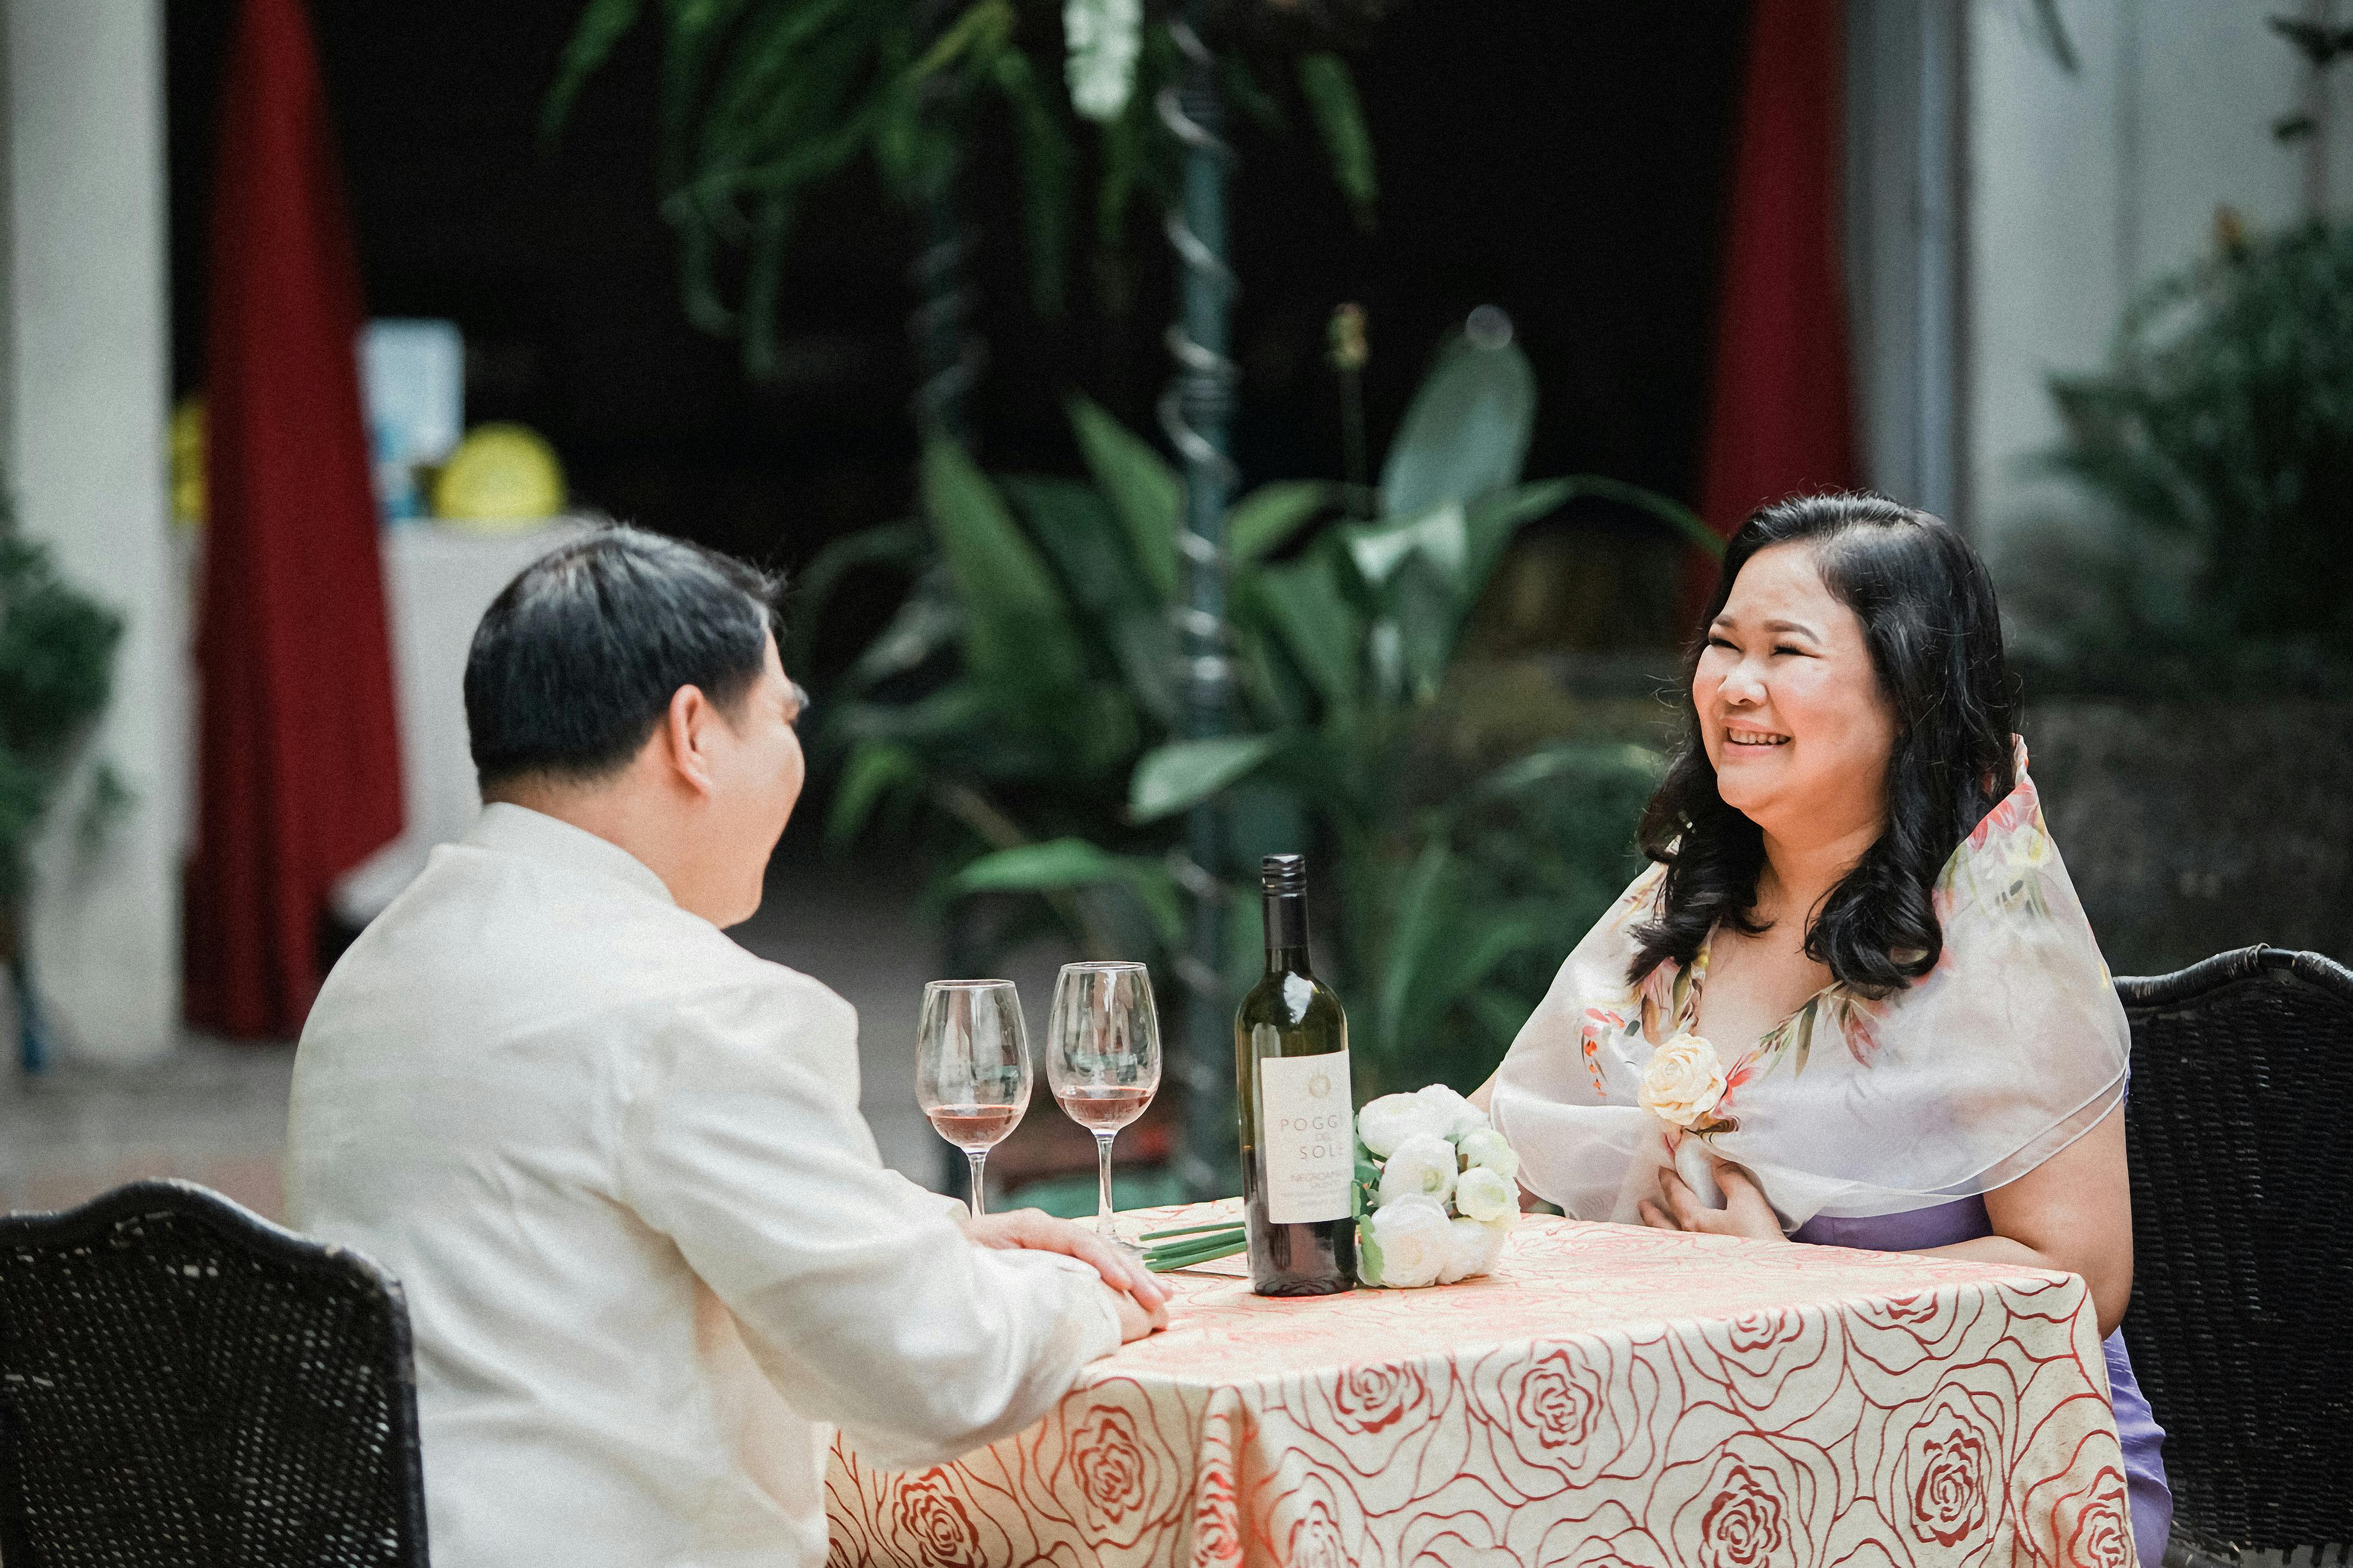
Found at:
(1610, 1397)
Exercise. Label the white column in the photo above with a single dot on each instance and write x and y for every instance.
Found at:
(86, 385)
(1906, 246)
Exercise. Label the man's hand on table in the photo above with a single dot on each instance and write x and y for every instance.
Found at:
(1142, 1298)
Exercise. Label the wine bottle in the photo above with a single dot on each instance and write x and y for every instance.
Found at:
(1298, 1124)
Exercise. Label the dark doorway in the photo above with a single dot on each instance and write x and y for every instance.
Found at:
(1562, 159)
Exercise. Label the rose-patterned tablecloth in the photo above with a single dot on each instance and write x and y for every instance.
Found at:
(1610, 1398)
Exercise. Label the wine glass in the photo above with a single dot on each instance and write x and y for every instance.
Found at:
(972, 1067)
(1103, 1059)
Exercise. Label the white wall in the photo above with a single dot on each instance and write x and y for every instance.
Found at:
(2082, 189)
(85, 384)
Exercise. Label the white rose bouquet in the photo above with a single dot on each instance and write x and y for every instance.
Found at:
(1434, 1196)
(1434, 1193)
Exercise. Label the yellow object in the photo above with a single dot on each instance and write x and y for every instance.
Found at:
(502, 476)
(188, 461)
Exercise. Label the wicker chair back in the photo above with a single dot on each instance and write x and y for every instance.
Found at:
(183, 1383)
(2242, 1196)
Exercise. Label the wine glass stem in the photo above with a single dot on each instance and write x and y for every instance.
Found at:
(978, 1158)
(1102, 1185)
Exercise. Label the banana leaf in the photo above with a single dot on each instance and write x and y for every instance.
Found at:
(1271, 515)
(1145, 492)
(1068, 864)
(1465, 433)
(1331, 94)
(1311, 616)
(1183, 774)
(1018, 629)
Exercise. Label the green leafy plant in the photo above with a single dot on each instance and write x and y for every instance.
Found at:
(57, 668)
(1020, 710)
(763, 101)
(2221, 434)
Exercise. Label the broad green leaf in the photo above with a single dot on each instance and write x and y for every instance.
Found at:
(1427, 614)
(1145, 646)
(1500, 1013)
(1143, 490)
(1020, 625)
(1491, 523)
(982, 27)
(692, 32)
(1426, 907)
(1450, 973)
(1183, 774)
(762, 276)
(874, 770)
(1439, 536)
(1075, 524)
(1244, 929)
(949, 715)
(764, 72)
(1331, 94)
(601, 26)
(1466, 432)
(1271, 684)
(1046, 158)
(1545, 769)
(902, 544)
(928, 623)
(1065, 864)
(1680, 519)
(1323, 632)
(1384, 661)
(1243, 92)
(1264, 520)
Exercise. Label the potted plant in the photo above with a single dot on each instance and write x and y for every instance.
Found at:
(57, 666)
(2202, 625)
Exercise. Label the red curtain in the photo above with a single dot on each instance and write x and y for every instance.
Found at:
(1780, 418)
(299, 762)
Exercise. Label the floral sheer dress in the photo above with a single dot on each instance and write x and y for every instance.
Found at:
(1872, 1123)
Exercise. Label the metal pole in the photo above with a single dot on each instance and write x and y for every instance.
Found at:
(1197, 412)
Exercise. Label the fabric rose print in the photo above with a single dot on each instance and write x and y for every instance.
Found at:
(1557, 1402)
(1750, 1503)
(928, 1512)
(1746, 1523)
(2090, 1522)
(1108, 1463)
(1950, 1457)
(1371, 1399)
(1112, 1466)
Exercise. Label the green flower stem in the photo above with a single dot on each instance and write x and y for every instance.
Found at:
(1233, 1225)
(1170, 1257)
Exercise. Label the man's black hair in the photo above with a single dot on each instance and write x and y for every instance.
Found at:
(576, 661)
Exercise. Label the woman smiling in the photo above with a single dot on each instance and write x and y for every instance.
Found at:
(1854, 1000)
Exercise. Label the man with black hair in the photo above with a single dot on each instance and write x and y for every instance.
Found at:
(649, 1252)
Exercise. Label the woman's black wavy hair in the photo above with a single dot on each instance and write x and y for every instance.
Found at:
(1933, 630)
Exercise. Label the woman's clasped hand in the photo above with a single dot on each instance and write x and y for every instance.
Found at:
(1744, 1211)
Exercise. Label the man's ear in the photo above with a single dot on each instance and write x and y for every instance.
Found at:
(685, 732)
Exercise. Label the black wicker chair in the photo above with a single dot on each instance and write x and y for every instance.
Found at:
(2242, 1194)
(183, 1383)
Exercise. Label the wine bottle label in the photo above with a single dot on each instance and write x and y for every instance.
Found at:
(1307, 1136)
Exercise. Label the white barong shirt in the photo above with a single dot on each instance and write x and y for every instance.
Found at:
(650, 1255)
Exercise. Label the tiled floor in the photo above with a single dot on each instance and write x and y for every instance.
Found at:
(215, 1112)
